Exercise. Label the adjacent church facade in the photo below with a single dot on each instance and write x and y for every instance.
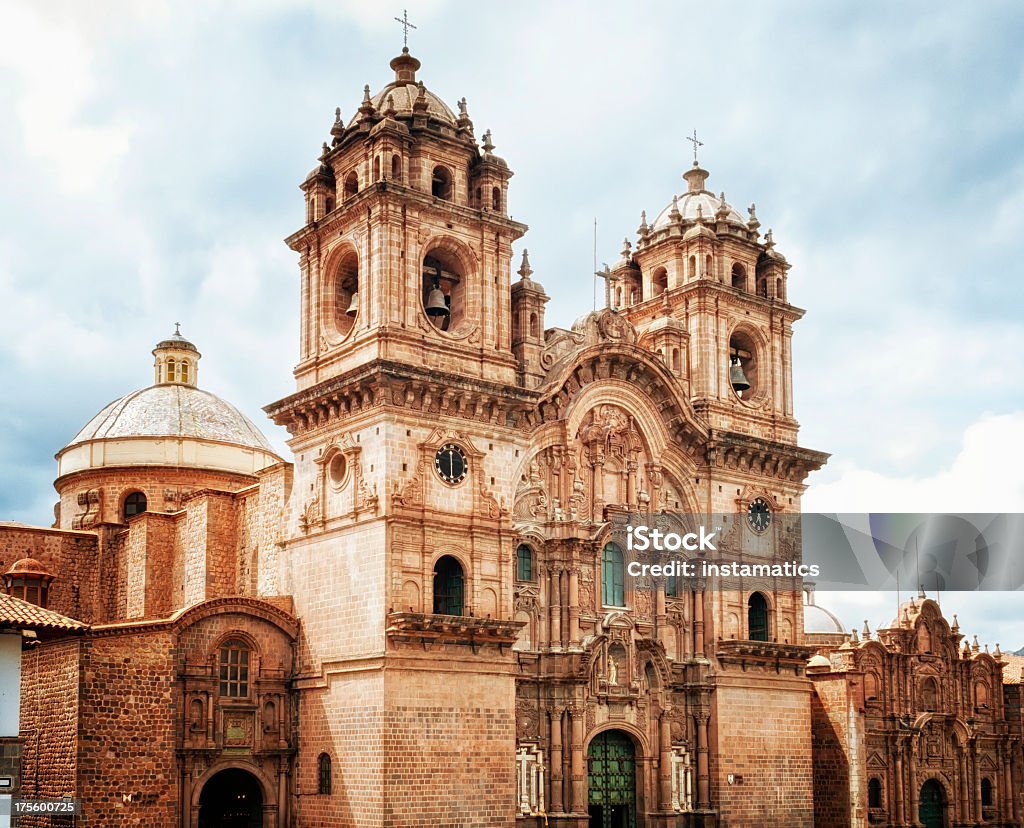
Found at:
(424, 618)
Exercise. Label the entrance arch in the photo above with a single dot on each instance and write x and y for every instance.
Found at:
(931, 811)
(611, 780)
(231, 798)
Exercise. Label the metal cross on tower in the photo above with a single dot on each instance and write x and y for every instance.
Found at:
(406, 25)
(692, 140)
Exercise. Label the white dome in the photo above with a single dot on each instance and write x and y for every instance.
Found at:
(173, 411)
(820, 620)
(169, 425)
(687, 204)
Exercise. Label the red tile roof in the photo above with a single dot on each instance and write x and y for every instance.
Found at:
(1013, 672)
(21, 615)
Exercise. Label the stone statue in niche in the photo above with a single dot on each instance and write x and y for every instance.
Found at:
(613, 672)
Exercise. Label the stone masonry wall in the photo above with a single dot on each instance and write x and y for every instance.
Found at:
(762, 733)
(127, 766)
(831, 751)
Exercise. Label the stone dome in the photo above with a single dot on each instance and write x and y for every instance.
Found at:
(820, 620)
(697, 201)
(173, 411)
(404, 90)
(28, 566)
(171, 423)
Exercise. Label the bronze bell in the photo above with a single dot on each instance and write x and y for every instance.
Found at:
(353, 304)
(736, 376)
(436, 306)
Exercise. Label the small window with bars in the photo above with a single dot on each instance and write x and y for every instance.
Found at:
(234, 669)
(324, 786)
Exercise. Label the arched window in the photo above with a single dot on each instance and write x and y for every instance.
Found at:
(675, 360)
(328, 204)
(524, 563)
(324, 774)
(739, 276)
(929, 694)
(671, 586)
(986, 792)
(376, 168)
(778, 290)
(351, 184)
(448, 586)
(234, 668)
(612, 570)
(708, 270)
(134, 504)
(496, 199)
(172, 369)
(762, 288)
(618, 298)
(441, 183)
(874, 792)
(396, 168)
(693, 267)
(183, 371)
(757, 618)
(980, 694)
(659, 282)
(534, 328)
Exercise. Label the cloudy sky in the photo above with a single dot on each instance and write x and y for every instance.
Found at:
(150, 154)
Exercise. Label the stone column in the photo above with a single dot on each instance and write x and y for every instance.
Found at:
(703, 775)
(579, 786)
(555, 796)
(1006, 799)
(698, 623)
(665, 763)
(554, 599)
(901, 805)
(563, 599)
(915, 791)
(631, 490)
(574, 606)
(976, 775)
(965, 800)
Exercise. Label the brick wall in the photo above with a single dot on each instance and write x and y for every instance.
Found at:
(761, 731)
(833, 774)
(70, 556)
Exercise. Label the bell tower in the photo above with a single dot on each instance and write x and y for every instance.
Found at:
(407, 425)
(406, 250)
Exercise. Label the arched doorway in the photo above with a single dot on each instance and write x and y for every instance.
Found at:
(611, 781)
(931, 810)
(231, 799)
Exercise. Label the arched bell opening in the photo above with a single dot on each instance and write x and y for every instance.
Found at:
(444, 289)
(346, 292)
(659, 282)
(744, 366)
(449, 587)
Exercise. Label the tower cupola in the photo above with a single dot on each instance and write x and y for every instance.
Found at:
(176, 360)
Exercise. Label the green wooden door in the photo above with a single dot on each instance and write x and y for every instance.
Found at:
(611, 781)
(929, 811)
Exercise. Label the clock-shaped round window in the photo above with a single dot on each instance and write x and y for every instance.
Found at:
(451, 464)
(759, 514)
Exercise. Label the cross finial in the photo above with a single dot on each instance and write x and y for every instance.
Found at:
(696, 144)
(406, 25)
(177, 329)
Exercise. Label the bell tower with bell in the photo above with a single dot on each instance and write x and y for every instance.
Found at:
(406, 250)
(406, 426)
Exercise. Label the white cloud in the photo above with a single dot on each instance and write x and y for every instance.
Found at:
(987, 475)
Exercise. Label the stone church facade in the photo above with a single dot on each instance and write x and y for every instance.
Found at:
(422, 619)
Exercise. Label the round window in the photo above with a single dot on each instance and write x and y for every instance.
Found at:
(337, 469)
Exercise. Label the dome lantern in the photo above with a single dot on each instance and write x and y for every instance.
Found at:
(176, 360)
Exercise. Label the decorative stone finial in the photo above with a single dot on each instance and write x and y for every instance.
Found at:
(643, 229)
(389, 106)
(997, 653)
(956, 624)
(752, 222)
(867, 631)
(488, 144)
(627, 249)
(700, 214)
(324, 151)
(853, 636)
(975, 647)
(525, 271)
(674, 213)
(769, 242)
(462, 108)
